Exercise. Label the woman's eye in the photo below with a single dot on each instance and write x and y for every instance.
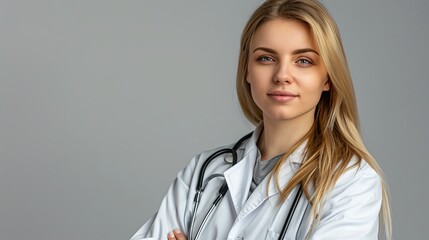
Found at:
(265, 59)
(304, 61)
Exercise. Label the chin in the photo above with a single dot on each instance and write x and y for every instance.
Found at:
(288, 116)
(279, 117)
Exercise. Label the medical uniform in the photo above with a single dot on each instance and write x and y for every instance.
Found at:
(350, 211)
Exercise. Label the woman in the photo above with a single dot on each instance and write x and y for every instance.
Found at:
(293, 82)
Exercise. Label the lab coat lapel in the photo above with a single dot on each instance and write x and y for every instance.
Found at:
(260, 195)
(288, 169)
(239, 179)
(240, 176)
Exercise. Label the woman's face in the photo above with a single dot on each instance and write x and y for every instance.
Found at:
(286, 74)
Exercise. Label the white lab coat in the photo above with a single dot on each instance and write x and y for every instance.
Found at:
(350, 211)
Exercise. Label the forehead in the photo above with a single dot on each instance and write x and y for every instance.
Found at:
(283, 34)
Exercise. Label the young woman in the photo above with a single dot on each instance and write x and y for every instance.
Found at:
(304, 173)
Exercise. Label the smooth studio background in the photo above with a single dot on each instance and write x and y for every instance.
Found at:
(102, 102)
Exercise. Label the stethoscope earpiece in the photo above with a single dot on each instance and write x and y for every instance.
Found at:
(229, 158)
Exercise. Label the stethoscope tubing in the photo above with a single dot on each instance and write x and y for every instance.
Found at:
(291, 213)
(224, 189)
(215, 204)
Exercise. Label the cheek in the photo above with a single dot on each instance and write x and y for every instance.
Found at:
(250, 75)
(256, 92)
(314, 87)
(257, 73)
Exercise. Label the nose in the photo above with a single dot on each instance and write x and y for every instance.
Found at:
(282, 74)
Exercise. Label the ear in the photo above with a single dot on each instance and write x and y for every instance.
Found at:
(327, 85)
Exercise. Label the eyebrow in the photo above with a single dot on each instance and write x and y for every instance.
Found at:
(295, 52)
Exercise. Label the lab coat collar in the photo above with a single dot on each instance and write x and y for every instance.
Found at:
(267, 190)
(287, 170)
(297, 156)
(239, 177)
(251, 143)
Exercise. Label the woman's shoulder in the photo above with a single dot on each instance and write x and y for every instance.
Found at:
(359, 176)
(210, 151)
(359, 167)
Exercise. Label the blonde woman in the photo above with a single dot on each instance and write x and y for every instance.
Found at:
(304, 173)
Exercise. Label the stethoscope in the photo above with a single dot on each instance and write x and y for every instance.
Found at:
(201, 184)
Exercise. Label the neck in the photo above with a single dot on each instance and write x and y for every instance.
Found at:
(279, 136)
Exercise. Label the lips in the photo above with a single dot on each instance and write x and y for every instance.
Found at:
(282, 96)
(282, 93)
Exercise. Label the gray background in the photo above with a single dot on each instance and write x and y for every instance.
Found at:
(102, 102)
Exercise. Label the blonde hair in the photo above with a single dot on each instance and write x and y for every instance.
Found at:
(334, 139)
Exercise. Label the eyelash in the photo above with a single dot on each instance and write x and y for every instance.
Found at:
(265, 59)
(301, 61)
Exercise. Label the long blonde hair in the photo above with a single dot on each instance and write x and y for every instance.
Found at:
(334, 139)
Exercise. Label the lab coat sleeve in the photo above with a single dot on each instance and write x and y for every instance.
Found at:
(352, 209)
(172, 211)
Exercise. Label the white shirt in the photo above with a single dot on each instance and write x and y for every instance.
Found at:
(349, 212)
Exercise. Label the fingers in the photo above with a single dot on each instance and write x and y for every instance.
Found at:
(171, 236)
(176, 234)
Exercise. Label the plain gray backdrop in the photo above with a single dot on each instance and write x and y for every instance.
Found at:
(102, 102)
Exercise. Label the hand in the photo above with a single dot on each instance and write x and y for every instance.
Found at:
(176, 235)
